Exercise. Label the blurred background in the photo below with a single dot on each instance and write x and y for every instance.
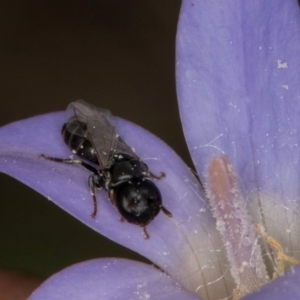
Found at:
(114, 54)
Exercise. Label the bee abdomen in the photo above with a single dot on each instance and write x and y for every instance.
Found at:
(74, 134)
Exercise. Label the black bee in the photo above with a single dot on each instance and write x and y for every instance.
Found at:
(90, 133)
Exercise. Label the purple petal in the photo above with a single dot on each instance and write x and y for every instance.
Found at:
(286, 287)
(238, 85)
(110, 279)
(186, 246)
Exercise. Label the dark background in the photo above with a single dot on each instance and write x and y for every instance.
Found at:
(116, 54)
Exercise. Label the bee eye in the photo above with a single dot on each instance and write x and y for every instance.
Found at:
(138, 201)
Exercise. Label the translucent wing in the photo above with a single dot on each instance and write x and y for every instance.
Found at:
(122, 147)
(100, 131)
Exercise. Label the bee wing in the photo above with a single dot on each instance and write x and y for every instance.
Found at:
(100, 131)
(122, 147)
(98, 126)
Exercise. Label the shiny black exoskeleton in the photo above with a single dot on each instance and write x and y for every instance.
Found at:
(90, 133)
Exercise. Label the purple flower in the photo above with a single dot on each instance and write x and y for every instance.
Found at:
(238, 88)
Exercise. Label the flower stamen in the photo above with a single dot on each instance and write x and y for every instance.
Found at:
(282, 258)
(236, 228)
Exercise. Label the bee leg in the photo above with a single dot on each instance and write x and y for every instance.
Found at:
(146, 234)
(113, 202)
(112, 197)
(95, 181)
(93, 184)
(166, 212)
(62, 160)
(71, 162)
(162, 175)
